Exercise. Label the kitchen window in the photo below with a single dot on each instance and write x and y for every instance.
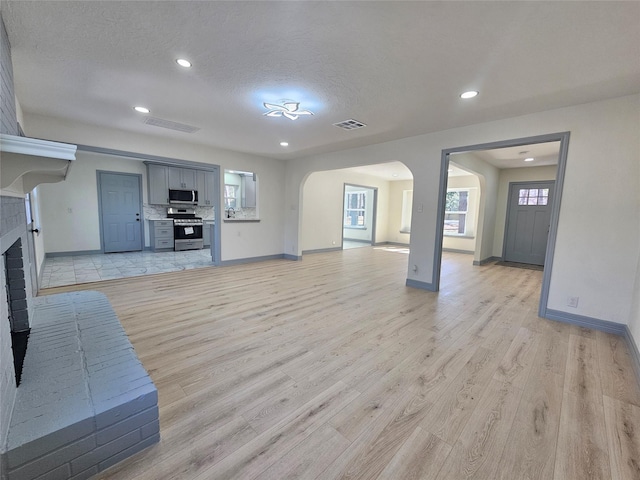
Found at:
(231, 196)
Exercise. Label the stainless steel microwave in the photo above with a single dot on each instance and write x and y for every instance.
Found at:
(184, 197)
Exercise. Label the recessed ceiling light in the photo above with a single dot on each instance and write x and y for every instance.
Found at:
(450, 170)
(141, 109)
(469, 94)
(284, 144)
(394, 174)
(530, 159)
(183, 62)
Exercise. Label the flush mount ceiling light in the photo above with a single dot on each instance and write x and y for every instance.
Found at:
(183, 62)
(284, 144)
(141, 109)
(290, 110)
(469, 94)
(530, 159)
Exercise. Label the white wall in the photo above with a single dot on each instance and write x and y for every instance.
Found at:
(597, 234)
(70, 216)
(396, 189)
(525, 174)
(464, 243)
(323, 203)
(239, 240)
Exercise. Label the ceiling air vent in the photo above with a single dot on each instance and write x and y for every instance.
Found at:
(180, 127)
(350, 124)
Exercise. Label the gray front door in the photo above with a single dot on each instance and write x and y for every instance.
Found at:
(528, 220)
(120, 210)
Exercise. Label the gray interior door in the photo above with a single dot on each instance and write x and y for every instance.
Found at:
(120, 211)
(528, 220)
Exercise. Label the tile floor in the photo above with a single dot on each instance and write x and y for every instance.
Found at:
(58, 271)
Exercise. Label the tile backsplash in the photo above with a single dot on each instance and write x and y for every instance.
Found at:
(246, 213)
(159, 212)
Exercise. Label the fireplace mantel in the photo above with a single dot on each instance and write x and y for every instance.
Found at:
(28, 162)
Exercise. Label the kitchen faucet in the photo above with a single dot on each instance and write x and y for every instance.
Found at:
(231, 213)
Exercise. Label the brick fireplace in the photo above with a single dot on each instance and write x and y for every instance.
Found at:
(13, 238)
(18, 311)
(84, 401)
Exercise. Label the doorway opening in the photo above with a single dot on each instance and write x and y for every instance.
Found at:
(526, 233)
(329, 203)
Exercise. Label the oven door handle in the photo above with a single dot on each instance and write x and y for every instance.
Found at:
(193, 196)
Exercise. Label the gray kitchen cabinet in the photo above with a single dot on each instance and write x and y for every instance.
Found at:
(158, 184)
(182, 178)
(206, 232)
(161, 235)
(206, 188)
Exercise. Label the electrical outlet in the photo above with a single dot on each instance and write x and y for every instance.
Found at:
(573, 302)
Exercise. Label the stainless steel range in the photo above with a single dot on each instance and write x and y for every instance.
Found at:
(187, 229)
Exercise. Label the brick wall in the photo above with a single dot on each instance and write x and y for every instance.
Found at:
(16, 291)
(7, 374)
(13, 228)
(12, 217)
(8, 122)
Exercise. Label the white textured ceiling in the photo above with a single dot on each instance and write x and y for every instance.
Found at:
(396, 66)
(387, 171)
(513, 157)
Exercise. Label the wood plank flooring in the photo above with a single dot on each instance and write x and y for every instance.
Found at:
(330, 368)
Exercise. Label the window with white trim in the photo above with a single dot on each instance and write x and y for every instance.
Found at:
(456, 212)
(354, 209)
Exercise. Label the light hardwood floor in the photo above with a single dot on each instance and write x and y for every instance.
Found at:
(331, 368)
